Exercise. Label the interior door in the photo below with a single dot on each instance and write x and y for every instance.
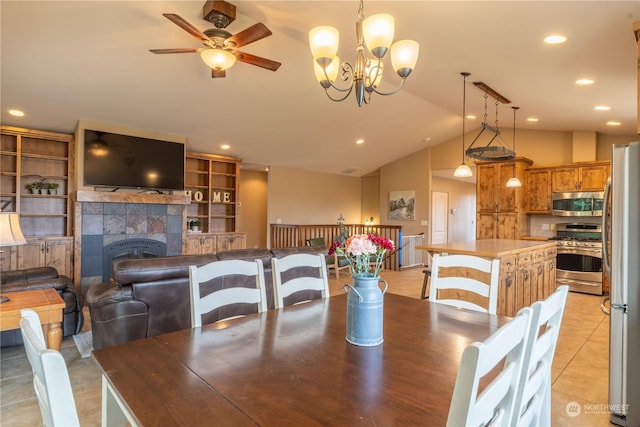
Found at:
(439, 216)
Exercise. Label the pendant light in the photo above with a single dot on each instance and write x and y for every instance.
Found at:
(514, 181)
(463, 171)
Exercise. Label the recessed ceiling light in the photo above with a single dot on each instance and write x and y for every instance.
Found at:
(613, 123)
(16, 113)
(471, 117)
(532, 119)
(602, 108)
(555, 39)
(359, 141)
(584, 82)
(225, 146)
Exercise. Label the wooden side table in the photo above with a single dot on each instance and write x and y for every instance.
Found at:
(46, 302)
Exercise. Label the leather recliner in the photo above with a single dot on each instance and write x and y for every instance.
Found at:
(41, 278)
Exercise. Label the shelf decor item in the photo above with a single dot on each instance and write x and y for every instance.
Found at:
(194, 225)
(35, 187)
(52, 187)
(365, 301)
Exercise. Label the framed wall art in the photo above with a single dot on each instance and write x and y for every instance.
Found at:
(402, 205)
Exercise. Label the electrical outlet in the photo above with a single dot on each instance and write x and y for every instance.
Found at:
(545, 227)
(424, 222)
(553, 227)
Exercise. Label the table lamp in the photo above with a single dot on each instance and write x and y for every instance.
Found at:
(10, 234)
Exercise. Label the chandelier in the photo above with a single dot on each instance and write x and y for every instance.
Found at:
(376, 32)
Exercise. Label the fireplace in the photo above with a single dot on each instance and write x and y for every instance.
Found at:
(130, 249)
(133, 230)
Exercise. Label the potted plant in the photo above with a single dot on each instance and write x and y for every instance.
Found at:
(33, 187)
(52, 187)
(195, 225)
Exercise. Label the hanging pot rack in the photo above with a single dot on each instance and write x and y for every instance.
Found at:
(490, 152)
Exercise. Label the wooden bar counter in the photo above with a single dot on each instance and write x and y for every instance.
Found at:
(527, 268)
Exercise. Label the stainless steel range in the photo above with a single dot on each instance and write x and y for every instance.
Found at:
(579, 260)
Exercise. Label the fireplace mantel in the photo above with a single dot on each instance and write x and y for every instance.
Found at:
(109, 197)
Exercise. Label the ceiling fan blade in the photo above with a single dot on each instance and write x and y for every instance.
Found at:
(249, 35)
(177, 50)
(216, 74)
(180, 22)
(256, 60)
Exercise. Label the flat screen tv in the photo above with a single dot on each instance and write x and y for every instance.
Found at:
(122, 161)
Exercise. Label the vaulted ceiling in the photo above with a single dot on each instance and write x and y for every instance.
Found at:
(62, 61)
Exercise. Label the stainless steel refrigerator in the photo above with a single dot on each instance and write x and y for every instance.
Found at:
(622, 265)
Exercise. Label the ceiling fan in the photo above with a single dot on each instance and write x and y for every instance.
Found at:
(220, 51)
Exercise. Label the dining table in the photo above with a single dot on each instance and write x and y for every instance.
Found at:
(293, 367)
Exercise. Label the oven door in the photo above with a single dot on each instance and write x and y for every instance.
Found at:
(580, 268)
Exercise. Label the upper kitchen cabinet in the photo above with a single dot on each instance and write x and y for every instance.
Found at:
(591, 176)
(538, 191)
(500, 209)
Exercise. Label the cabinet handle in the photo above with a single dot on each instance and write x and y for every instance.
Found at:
(42, 248)
(551, 266)
(539, 269)
(509, 281)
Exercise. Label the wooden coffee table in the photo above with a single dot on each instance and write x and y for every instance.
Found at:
(46, 302)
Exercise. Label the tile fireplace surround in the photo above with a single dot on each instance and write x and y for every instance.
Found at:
(105, 219)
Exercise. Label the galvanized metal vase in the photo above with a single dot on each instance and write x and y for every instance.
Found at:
(365, 303)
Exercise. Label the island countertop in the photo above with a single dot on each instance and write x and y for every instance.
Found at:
(490, 248)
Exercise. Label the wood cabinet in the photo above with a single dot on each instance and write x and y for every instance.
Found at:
(48, 252)
(206, 243)
(538, 191)
(500, 209)
(591, 177)
(199, 244)
(213, 182)
(636, 31)
(27, 157)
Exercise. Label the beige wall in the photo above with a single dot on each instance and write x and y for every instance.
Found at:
(370, 205)
(409, 173)
(252, 216)
(462, 198)
(304, 197)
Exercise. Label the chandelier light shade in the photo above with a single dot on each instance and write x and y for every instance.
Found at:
(10, 232)
(218, 59)
(463, 171)
(514, 182)
(373, 34)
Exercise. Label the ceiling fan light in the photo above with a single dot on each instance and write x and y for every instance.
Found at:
(463, 171)
(378, 33)
(323, 42)
(218, 59)
(331, 72)
(514, 182)
(404, 55)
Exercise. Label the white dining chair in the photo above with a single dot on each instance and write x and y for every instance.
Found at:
(294, 274)
(533, 400)
(50, 376)
(495, 404)
(231, 292)
(465, 273)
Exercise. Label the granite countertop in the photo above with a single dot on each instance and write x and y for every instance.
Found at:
(494, 248)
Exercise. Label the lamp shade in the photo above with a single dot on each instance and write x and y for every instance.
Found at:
(218, 59)
(514, 182)
(331, 71)
(10, 232)
(463, 171)
(323, 42)
(373, 73)
(404, 55)
(378, 33)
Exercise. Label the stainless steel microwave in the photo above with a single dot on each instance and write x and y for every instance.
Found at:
(584, 203)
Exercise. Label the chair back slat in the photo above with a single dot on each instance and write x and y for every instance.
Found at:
(310, 274)
(469, 271)
(50, 376)
(201, 305)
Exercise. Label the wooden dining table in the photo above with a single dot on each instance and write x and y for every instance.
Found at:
(293, 367)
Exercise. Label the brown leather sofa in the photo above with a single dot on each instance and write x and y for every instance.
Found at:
(150, 296)
(40, 278)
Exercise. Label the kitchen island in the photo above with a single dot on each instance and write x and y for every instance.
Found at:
(527, 268)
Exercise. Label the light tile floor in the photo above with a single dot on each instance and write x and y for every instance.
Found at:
(579, 368)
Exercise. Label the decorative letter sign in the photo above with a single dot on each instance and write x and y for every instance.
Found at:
(220, 197)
